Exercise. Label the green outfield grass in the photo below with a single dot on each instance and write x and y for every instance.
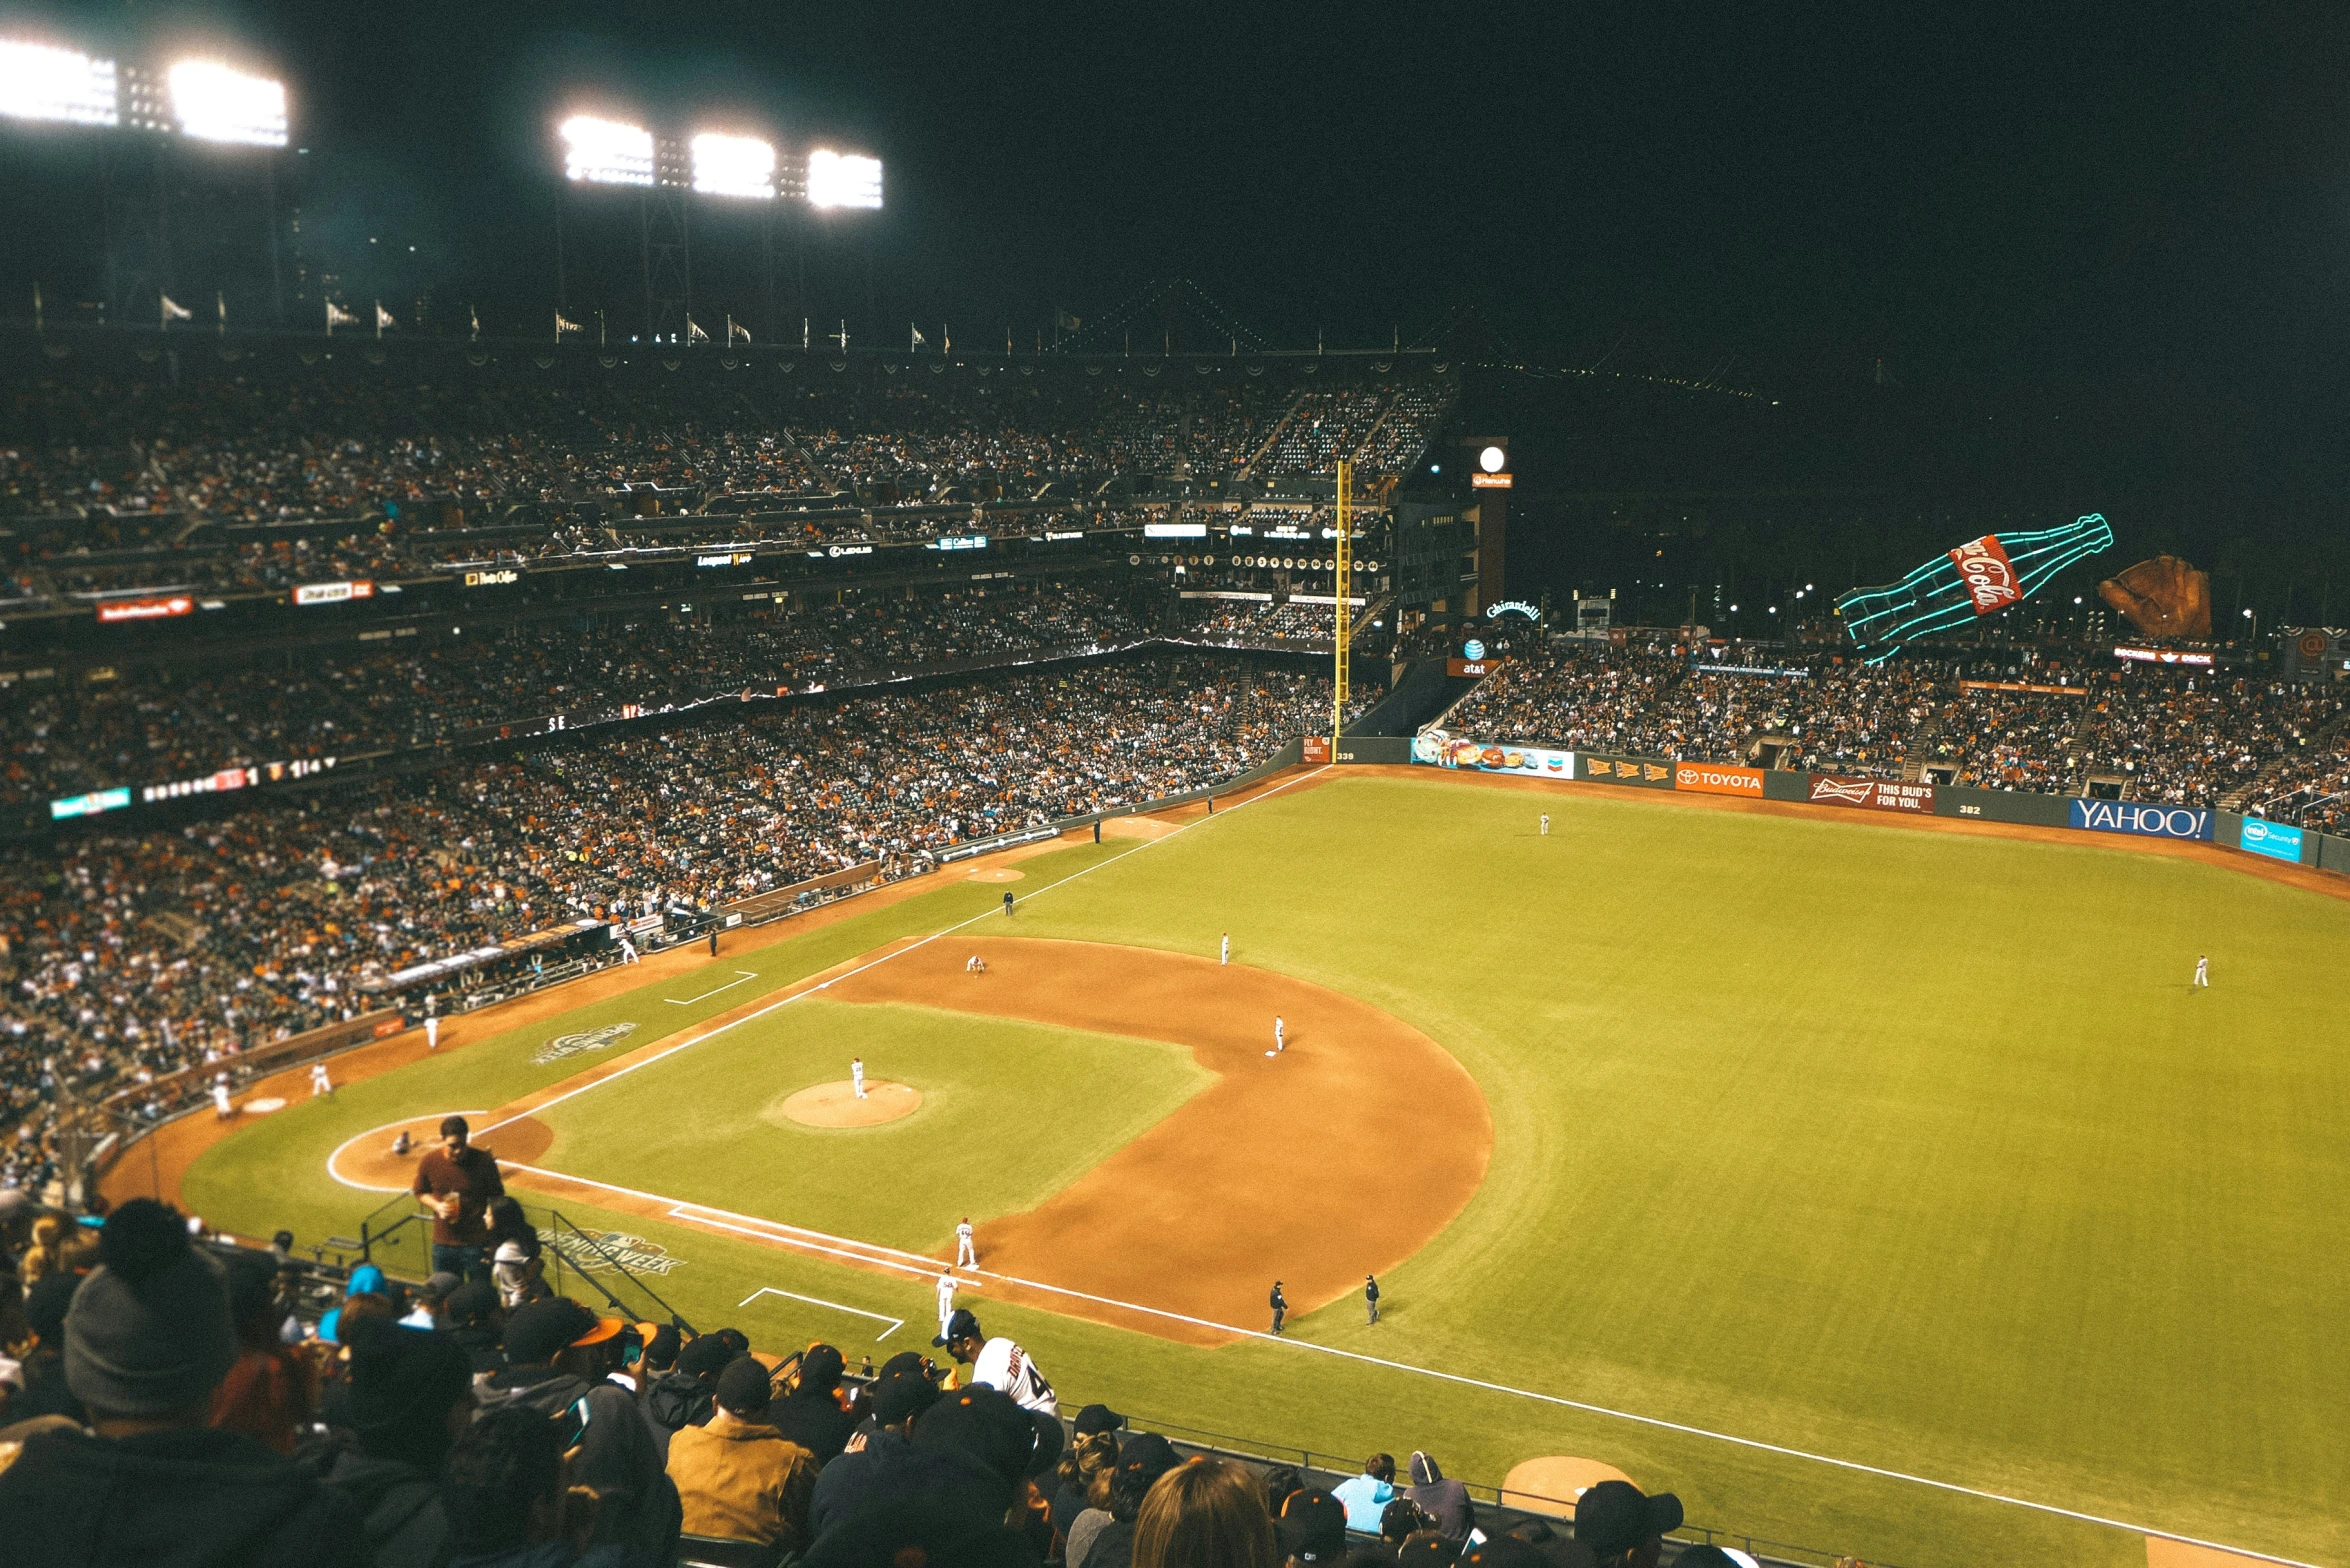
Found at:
(1908, 1148)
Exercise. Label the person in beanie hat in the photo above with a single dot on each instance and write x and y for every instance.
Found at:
(811, 1415)
(411, 1397)
(147, 1339)
(942, 1495)
(738, 1478)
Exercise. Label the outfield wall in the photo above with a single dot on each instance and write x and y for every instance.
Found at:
(2255, 836)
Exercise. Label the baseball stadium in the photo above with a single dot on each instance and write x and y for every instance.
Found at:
(788, 875)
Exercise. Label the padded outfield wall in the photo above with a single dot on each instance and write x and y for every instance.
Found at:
(1847, 792)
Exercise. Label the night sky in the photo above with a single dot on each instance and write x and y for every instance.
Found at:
(2137, 221)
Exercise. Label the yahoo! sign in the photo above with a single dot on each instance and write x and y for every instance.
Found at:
(2148, 821)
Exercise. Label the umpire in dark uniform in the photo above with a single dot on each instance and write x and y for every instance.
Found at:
(1371, 1298)
(1280, 1305)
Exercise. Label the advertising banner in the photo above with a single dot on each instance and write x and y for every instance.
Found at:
(1646, 772)
(155, 609)
(2276, 840)
(1437, 749)
(2148, 821)
(1718, 778)
(1871, 794)
(1461, 669)
(1989, 576)
(332, 593)
(1317, 748)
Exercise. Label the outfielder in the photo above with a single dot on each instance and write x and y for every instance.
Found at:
(2202, 971)
(857, 1075)
(1546, 824)
(966, 1255)
(1224, 953)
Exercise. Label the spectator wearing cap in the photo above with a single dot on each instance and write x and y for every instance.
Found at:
(365, 1280)
(897, 1399)
(1365, 1497)
(1210, 1513)
(411, 1398)
(457, 1181)
(559, 1356)
(1447, 1502)
(999, 1363)
(473, 1313)
(148, 1337)
(1622, 1527)
(943, 1494)
(688, 1394)
(431, 1301)
(811, 1415)
(1145, 1458)
(1313, 1528)
(1093, 1454)
(272, 1388)
(1400, 1520)
(737, 1477)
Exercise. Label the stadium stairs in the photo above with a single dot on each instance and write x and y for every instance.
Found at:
(1421, 693)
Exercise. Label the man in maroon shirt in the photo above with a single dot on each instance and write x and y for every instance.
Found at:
(457, 1182)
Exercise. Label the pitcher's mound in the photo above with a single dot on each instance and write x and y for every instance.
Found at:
(1551, 1484)
(837, 1105)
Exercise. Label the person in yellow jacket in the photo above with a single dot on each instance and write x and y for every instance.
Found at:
(738, 1478)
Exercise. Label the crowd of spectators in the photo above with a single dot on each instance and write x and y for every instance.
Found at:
(172, 724)
(2310, 786)
(170, 1399)
(2172, 734)
(137, 954)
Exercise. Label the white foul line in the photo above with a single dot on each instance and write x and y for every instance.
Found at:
(876, 1254)
(876, 963)
(817, 1301)
(706, 995)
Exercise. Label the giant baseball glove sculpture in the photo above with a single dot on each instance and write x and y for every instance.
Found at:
(2164, 597)
(1977, 578)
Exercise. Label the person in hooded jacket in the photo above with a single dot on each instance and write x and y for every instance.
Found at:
(943, 1493)
(411, 1398)
(811, 1414)
(559, 1356)
(686, 1396)
(147, 1339)
(1447, 1502)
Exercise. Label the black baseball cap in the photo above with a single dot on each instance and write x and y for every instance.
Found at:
(1615, 1516)
(1313, 1526)
(1098, 1418)
(961, 1326)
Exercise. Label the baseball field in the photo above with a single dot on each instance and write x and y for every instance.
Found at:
(1875, 1188)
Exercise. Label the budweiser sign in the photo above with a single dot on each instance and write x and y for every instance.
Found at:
(1871, 794)
(1988, 574)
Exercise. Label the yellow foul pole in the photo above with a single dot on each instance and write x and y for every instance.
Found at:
(1342, 621)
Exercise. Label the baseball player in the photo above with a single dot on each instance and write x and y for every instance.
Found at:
(997, 1362)
(1224, 953)
(946, 1299)
(320, 1083)
(857, 1075)
(1546, 824)
(432, 1031)
(975, 965)
(220, 1097)
(966, 1255)
(1371, 1297)
(1279, 1045)
(627, 949)
(2202, 971)
(1280, 1305)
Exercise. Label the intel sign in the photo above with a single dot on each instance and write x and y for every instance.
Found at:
(2273, 839)
(2148, 821)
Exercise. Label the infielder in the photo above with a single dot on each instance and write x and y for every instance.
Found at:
(320, 1083)
(1224, 953)
(1280, 1305)
(1279, 1045)
(857, 1075)
(432, 1031)
(220, 1097)
(2202, 971)
(946, 1300)
(966, 1255)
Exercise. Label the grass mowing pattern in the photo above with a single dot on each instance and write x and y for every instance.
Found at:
(1906, 1147)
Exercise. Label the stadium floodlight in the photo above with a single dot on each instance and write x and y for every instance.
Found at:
(734, 166)
(606, 152)
(839, 179)
(215, 103)
(41, 83)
